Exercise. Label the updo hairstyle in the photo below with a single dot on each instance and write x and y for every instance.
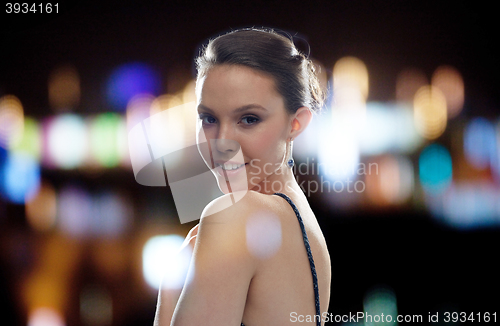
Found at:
(271, 53)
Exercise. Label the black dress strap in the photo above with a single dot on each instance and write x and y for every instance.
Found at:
(309, 255)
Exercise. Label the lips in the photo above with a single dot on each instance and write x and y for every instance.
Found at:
(229, 167)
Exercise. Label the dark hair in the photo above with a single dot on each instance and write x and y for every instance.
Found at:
(269, 52)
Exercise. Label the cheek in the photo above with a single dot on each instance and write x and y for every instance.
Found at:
(265, 146)
(204, 143)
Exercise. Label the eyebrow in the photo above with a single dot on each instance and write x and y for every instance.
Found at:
(238, 110)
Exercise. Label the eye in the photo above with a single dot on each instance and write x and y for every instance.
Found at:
(207, 119)
(250, 120)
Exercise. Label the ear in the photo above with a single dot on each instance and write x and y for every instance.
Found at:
(299, 122)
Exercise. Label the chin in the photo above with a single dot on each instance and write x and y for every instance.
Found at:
(232, 184)
(225, 188)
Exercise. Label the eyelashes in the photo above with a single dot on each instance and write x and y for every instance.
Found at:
(247, 120)
(250, 120)
(207, 119)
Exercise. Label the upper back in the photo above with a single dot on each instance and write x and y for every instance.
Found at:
(282, 288)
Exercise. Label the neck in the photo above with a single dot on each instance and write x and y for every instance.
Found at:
(282, 180)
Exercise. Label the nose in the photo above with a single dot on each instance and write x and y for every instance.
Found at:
(225, 141)
(226, 145)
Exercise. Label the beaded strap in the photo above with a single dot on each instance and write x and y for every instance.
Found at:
(309, 255)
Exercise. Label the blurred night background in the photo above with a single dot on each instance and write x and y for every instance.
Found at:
(411, 125)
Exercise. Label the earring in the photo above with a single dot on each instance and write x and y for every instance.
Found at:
(290, 161)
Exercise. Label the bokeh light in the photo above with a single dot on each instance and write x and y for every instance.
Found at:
(394, 181)
(74, 212)
(41, 210)
(164, 102)
(111, 215)
(450, 82)
(407, 139)
(263, 235)
(30, 141)
(388, 128)
(408, 82)
(129, 80)
(112, 257)
(46, 287)
(168, 131)
(108, 139)
(435, 169)
(162, 263)
(96, 306)
(106, 214)
(351, 73)
(350, 90)
(189, 92)
(20, 177)
(67, 139)
(379, 134)
(64, 88)
(480, 143)
(11, 121)
(338, 152)
(3, 155)
(48, 284)
(467, 205)
(397, 179)
(138, 109)
(430, 112)
(380, 301)
(45, 316)
(496, 157)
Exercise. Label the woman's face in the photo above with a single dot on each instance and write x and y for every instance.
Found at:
(246, 126)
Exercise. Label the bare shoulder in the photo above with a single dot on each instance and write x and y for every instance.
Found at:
(226, 225)
(231, 208)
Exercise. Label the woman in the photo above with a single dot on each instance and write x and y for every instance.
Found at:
(259, 257)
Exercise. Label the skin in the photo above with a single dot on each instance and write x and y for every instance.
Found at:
(250, 113)
(240, 109)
